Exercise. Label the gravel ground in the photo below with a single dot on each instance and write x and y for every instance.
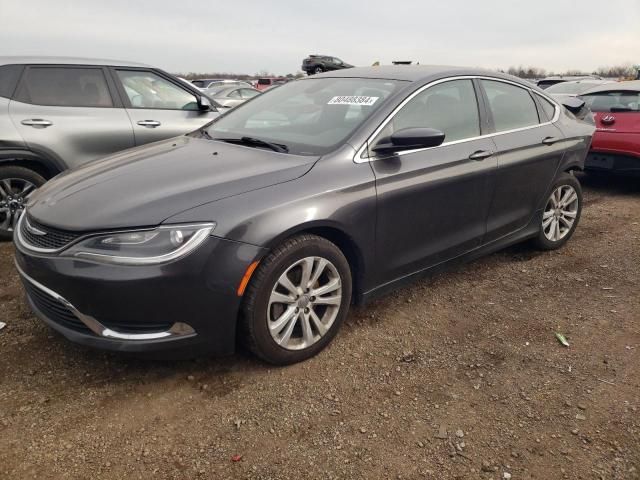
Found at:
(459, 376)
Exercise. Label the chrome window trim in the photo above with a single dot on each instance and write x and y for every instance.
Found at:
(360, 158)
(178, 329)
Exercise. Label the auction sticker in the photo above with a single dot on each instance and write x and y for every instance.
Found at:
(353, 100)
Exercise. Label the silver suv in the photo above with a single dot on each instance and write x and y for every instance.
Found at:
(57, 113)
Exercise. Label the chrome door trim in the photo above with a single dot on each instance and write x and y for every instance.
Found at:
(359, 158)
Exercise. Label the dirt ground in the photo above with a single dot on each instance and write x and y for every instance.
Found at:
(459, 376)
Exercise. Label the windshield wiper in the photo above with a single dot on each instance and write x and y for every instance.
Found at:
(205, 133)
(256, 142)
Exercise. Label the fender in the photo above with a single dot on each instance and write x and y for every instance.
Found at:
(51, 165)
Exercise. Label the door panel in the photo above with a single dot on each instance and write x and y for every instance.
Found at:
(70, 112)
(432, 206)
(526, 168)
(158, 107)
(74, 134)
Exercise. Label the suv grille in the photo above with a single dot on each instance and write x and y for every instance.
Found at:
(52, 239)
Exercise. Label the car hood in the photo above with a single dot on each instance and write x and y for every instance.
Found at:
(146, 185)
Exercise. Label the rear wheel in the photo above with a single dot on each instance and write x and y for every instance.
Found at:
(561, 213)
(297, 300)
(318, 70)
(16, 185)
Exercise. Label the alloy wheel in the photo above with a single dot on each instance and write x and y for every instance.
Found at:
(560, 213)
(14, 193)
(304, 303)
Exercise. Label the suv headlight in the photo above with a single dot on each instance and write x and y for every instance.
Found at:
(142, 247)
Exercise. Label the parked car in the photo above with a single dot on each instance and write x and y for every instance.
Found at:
(230, 97)
(616, 143)
(263, 84)
(57, 113)
(322, 63)
(225, 84)
(574, 88)
(548, 81)
(326, 191)
(203, 83)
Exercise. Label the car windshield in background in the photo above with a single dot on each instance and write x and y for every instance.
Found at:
(620, 101)
(570, 88)
(309, 117)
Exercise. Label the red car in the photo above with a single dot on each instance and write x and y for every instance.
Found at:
(616, 143)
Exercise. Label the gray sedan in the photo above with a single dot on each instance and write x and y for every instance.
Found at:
(267, 224)
(233, 96)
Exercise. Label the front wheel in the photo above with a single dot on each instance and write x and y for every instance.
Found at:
(296, 301)
(561, 213)
(318, 70)
(16, 185)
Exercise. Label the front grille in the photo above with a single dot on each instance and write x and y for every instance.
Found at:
(53, 309)
(53, 238)
(57, 312)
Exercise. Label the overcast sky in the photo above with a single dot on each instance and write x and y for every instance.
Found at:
(274, 35)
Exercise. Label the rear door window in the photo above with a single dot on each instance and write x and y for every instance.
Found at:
(9, 75)
(620, 101)
(64, 87)
(511, 107)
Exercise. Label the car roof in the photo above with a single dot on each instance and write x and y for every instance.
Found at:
(567, 78)
(414, 73)
(632, 86)
(21, 60)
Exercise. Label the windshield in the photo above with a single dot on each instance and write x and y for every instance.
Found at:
(621, 101)
(310, 117)
(571, 88)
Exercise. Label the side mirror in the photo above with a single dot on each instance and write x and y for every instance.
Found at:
(410, 139)
(204, 104)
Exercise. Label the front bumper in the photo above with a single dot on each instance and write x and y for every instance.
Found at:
(187, 305)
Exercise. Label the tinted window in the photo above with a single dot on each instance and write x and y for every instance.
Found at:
(148, 90)
(9, 75)
(621, 101)
(64, 87)
(548, 108)
(310, 117)
(512, 107)
(450, 107)
(264, 81)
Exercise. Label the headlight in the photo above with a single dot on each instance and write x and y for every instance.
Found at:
(142, 247)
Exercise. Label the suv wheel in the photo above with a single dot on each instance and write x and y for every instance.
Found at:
(297, 300)
(561, 213)
(318, 69)
(16, 185)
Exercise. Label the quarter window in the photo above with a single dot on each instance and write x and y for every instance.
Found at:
(548, 108)
(148, 90)
(64, 87)
(512, 107)
(450, 107)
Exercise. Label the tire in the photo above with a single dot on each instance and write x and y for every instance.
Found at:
(561, 213)
(16, 185)
(318, 70)
(264, 321)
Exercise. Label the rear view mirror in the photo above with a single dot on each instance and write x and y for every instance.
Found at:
(410, 139)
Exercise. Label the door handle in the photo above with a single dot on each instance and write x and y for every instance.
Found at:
(550, 140)
(149, 123)
(36, 122)
(480, 155)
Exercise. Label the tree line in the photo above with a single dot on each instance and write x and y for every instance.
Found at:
(618, 71)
